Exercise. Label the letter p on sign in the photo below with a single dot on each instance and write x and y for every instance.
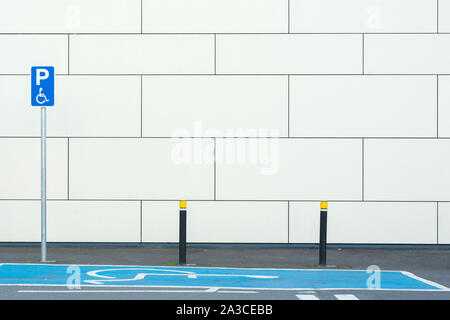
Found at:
(41, 74)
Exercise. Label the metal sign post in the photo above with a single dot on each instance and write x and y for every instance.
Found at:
(43, 184)
(43, 96)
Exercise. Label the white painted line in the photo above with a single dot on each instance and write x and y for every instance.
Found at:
(431, 283)
(211, 290)
(111, 291)
(345, 297)
(234, 291)
(231, 288)
(307, 297)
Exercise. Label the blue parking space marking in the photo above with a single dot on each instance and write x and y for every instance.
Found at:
(202, 277)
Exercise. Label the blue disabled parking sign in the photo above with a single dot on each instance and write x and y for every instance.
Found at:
(42, 86)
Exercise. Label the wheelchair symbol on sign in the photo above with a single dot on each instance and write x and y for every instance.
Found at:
(149, 272)
(41, 98)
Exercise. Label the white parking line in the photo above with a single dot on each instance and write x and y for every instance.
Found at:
(338, 296)
(431, 283)
(307, 297)
(231, 291)
(345, 297)
(210, 290)
(111, 291)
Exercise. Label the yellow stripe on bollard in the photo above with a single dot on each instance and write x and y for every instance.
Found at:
(183, 204)
(323, 205)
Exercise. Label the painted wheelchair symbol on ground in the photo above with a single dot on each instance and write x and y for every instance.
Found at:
(202, 277)
(148, 273)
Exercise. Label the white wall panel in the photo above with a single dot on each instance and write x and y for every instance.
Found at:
(18, 117)
(361, 106)
(215, 106)
(363, 16)
(407, 53)
(93, 221)
(444, 106)
(304, 222)
(20, 221)
(378, 222)
(71, 221)
(407, 169)
(24, 16)
(217, 221)
(289, 169)
(444, 223)
(141, 169)
(289, 54)
(215, 16)
(365, 222)
(160, 221)
(20, 52)
(96, 106)
(20, 168)
(444, 16)
(137, 54)
(245, 222)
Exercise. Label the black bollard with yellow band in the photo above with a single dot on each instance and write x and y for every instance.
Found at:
(182, 238)
(323, 234)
